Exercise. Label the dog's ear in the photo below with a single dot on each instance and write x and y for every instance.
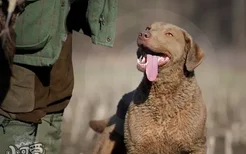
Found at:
(194, 54)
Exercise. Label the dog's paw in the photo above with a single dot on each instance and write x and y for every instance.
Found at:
(98, 125)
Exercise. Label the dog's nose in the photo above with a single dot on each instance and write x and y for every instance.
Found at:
(145, 35)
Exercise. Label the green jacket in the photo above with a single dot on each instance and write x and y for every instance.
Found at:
(41, 29)
(34, 91)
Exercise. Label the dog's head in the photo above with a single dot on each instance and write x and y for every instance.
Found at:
(163, 45)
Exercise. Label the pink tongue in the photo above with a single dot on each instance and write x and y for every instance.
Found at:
(152, 67)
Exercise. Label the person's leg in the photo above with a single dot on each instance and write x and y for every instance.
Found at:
(15, 136)
(49, 133)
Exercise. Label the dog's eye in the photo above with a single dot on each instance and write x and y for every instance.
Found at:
(147, 28)
(169, 34)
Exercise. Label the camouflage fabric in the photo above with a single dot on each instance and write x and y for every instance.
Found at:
(20, 137)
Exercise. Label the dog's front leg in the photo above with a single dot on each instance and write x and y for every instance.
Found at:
(200, 150)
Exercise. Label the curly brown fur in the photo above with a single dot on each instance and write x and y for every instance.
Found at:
(167, 115)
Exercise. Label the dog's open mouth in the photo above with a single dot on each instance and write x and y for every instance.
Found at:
(149, 63)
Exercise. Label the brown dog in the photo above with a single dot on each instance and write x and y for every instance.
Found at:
(167, 114)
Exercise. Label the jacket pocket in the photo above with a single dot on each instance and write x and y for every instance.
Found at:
(34, 25)
(20, 97)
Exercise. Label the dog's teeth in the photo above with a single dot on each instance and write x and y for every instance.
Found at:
(161, 59)
(138, 61)
(143, 60)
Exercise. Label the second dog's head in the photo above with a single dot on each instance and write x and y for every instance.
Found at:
(163, 45)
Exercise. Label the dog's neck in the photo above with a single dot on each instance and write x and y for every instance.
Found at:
(168, 82)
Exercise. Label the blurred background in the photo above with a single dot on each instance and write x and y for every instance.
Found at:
(103, 75)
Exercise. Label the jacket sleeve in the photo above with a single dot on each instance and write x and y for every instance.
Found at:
(96, 18)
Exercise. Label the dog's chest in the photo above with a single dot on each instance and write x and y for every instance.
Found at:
(157, 120)
(162, 110)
